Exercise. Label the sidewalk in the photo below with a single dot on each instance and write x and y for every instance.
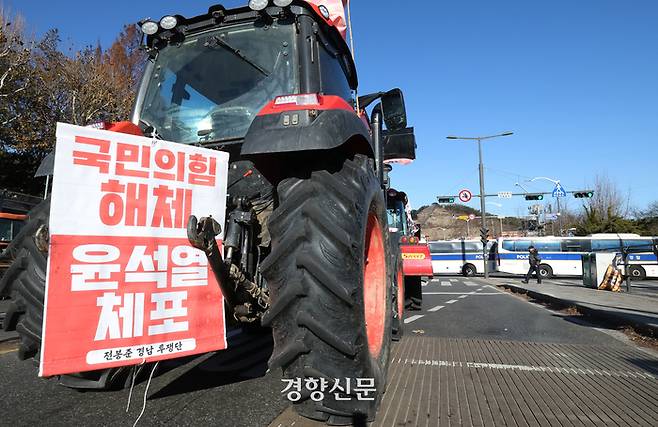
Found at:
(619, 308)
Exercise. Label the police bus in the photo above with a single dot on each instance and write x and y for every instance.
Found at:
(460, 257)
(562, 256)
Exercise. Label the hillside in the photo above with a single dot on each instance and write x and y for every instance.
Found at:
(440, 222)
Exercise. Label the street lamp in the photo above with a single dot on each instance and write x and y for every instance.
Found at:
(479, 139)
(557, 183)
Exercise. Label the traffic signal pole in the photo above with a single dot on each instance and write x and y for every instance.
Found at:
(485, 260)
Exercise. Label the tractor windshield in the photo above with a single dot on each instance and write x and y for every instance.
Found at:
(211, 86)
(397, 217)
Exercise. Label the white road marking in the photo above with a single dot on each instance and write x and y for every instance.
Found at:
(471, 284)
(507, 367)
(472, 293)
(451, 301)
(412, 318)
(446, 284)
(437, 308)
(462, 296)
(462, 293)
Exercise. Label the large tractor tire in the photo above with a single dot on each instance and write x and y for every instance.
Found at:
(331, 286)
(25, 283)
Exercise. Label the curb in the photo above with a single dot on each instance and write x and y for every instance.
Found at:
(616, 319)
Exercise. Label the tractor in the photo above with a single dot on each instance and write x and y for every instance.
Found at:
(306, 248)
(414, 254)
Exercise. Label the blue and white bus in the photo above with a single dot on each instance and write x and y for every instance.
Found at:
(562, 256)
(460, 257)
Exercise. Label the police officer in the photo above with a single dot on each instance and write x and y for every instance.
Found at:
(534, 260)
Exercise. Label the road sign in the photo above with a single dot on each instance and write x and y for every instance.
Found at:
(465, 196)
(471, 217)
(505, 194)
(463, 217)
(550, 217)
(558, 191)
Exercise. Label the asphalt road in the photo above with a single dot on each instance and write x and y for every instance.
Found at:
(486, 350)
(212, 389)
(471, 309)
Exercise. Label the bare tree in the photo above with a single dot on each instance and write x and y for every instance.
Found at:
(608, 200)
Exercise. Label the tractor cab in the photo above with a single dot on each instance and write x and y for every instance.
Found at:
(211, 78)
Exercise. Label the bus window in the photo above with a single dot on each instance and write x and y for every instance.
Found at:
(473, 247)
(638, 244)
(547, 245)
(522, 245)
(606, 245)
(508, 245)
(440, 247)
(576, 245)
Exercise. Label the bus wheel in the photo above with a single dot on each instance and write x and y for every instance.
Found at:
(637, 272)
(469, 270)
(545, 271)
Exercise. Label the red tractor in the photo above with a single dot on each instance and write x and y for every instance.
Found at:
(307, 250)
(415, 255)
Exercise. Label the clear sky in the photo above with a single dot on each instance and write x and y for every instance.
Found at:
(577, 82)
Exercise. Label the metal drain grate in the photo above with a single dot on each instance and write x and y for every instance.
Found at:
(439, 381)
(455, 382)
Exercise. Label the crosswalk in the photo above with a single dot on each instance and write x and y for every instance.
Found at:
(452, 282)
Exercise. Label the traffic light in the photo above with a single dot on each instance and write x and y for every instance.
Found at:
(446, 199)
(534, 197)
(583, 194)
(484, 233)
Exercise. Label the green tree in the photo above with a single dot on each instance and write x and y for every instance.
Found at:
(594, 221)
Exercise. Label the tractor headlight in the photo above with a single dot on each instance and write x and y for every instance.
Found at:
(258, 4)
(282, 3)
(168, 22)
(149, 28)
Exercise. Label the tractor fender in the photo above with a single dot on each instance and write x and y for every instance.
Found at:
(306, 130)
(416, 260)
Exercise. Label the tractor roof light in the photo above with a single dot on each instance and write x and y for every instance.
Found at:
(282, 3)
(168, 22)
(149, 28)
(258, 5)
(299, 100)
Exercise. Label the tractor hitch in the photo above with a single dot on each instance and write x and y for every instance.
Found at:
(245, 299)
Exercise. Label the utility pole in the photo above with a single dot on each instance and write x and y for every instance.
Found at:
(483, 212)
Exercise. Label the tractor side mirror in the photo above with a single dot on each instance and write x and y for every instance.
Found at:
(399, 145)
(393, 110)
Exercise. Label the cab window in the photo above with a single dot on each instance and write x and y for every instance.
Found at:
(334, 79)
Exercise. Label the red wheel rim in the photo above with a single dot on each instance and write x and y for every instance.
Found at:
(400, 282)
(374, 285)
